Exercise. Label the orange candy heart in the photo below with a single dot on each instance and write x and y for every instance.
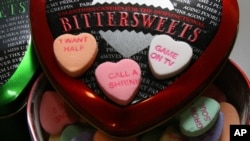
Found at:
(75, 53)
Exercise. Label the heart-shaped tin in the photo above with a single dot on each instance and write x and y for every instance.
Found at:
(124, 29)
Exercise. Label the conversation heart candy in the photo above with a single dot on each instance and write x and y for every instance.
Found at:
(54, 138)
(119, 81)
(99, 136)
(71, 131)
(199, 117)
(75, 53)
(214, 133)
(168, 57)
(84, 136)
(54, 114)
(231, 117)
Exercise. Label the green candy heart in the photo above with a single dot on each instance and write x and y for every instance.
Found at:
(199, 117)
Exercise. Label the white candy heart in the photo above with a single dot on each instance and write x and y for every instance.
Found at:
(168, 57)
(75, 53)
(119, 81)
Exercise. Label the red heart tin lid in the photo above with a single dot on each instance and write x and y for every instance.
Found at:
(139, 31)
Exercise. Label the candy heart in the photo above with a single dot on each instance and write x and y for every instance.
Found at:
(199, 117)
(76, 132)
(99, 136)
(84, 136)
(71, 131)
(119, 81)
(54, 138)
(214, 133)
(75, 53)
(168, 57)
(53, 113)
(231, 117)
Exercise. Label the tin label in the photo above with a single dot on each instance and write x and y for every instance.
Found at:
(14, 35)
(124, 29)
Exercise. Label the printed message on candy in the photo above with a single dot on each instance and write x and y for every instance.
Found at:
(72, 44)
(75, 53)
(200, 114)
(168, 57)
(164, 55)
(200, 117)
(119, 81)
(123, 79)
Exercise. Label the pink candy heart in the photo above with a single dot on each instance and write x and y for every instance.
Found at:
(53, 113)
(119, 81)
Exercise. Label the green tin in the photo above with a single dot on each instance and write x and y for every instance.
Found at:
(11, 97)
(18, 66)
